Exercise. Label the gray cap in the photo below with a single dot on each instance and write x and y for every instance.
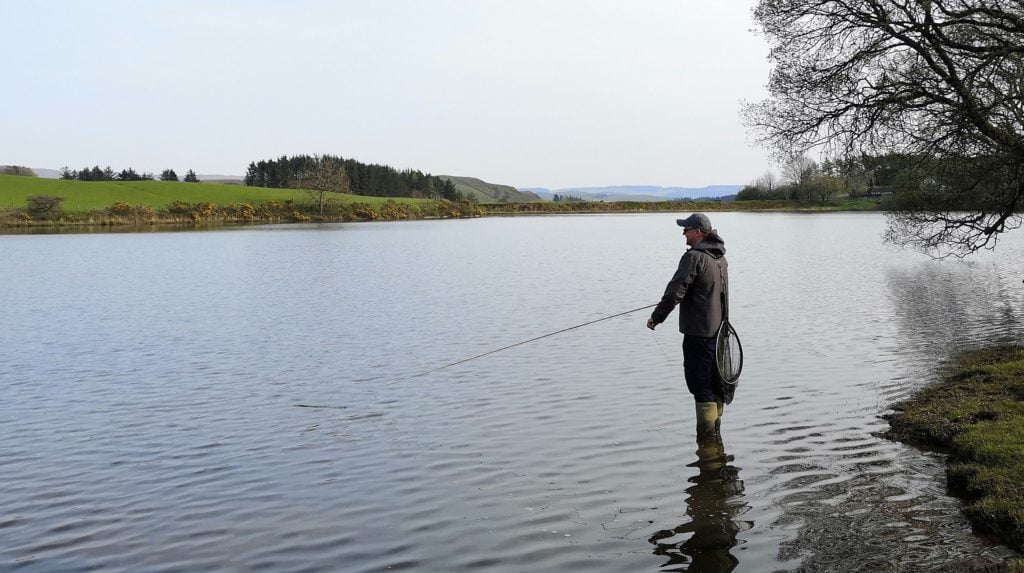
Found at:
(695, 221)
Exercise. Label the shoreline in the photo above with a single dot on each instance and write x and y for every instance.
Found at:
(183, 216)
(975, 415)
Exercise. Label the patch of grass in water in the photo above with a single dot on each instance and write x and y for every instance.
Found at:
(977, 414)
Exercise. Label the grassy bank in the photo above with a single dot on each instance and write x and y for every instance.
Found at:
(83, 196)
(977, 414)
(167, 202)
(172, 202)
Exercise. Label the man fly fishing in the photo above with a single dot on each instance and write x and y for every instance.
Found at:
(700, 288)
(712, 354)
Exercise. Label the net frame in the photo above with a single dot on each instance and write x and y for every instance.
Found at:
(723, 353)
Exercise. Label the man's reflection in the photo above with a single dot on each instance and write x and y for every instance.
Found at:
(714, 501)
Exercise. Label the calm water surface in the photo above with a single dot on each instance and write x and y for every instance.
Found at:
(239, 399)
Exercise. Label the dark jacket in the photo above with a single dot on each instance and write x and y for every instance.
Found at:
(697, 287)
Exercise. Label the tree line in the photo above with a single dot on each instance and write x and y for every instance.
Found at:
(19, 170)
(567, 199)
(330, 173)
(95, 173)
(804, 179)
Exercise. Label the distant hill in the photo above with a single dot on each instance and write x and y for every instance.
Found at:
(641, 192)
(213, 178)
(490, 192)
(494, 193)
(44, 173)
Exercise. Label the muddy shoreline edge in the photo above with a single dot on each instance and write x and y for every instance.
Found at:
(975, 415)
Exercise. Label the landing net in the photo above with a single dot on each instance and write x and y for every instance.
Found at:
(728, 359)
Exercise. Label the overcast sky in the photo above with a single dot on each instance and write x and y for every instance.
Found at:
(530, 93)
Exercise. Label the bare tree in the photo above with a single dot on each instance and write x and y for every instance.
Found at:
(767, 182)
(936, 81)
(44, 206)
(798, 172)
(324, 174)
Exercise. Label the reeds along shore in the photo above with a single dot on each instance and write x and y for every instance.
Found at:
(977, 415)
(181, 212)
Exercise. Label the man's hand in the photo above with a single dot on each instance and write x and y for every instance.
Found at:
(651, 324)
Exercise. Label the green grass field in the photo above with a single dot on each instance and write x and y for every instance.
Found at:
(82, 196)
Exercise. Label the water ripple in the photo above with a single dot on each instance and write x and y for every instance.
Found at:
(238, 400)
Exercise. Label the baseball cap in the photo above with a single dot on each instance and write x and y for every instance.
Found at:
(695, 221)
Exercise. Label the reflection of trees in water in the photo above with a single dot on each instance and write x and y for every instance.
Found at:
(890, 514)
(714, 501)
(940, 304)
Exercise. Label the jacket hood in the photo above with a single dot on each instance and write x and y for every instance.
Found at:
(711, 244)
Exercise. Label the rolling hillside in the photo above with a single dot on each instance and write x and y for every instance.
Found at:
(490, 192)
(642, 192)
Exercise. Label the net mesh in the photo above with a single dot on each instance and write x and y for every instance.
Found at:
(729, 355)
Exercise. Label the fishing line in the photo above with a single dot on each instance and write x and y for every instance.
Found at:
(668, 362)
(524, 342)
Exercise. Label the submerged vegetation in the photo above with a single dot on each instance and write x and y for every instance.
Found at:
(977, 414)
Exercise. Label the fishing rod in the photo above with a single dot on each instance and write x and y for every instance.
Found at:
(526, 342)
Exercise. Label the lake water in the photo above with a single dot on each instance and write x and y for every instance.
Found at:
(240, 399)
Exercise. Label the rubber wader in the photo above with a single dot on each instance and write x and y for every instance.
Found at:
(707, 417)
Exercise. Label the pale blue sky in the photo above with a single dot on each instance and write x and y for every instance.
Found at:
(552, 93)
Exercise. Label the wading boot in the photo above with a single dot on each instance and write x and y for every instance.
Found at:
(707, 416)
(710, 456)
